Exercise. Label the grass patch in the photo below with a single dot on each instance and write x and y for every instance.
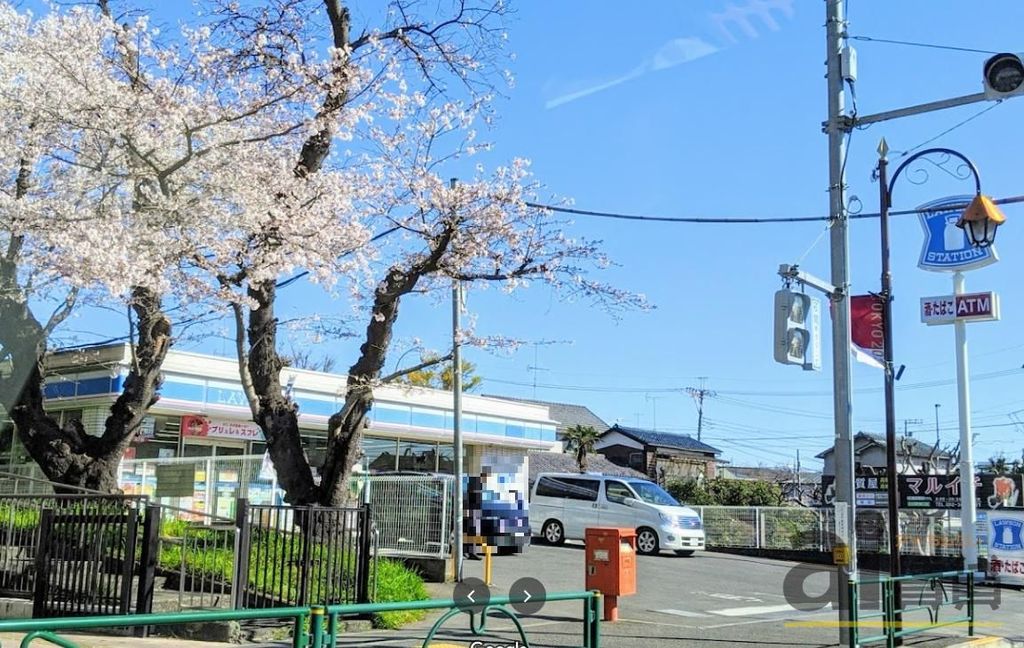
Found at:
(275, 568)
(396, 582)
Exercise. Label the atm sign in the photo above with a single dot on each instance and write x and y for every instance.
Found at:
(977, 307)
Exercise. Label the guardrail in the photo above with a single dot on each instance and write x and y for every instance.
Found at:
(894, 625)
(322, 622)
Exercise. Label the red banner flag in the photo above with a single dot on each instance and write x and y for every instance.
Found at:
(866, 329)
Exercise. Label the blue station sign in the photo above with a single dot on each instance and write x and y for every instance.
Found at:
(946, 248)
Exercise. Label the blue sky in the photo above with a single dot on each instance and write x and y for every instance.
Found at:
(690, 109)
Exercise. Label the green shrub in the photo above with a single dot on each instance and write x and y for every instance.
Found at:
(275, 567)
(725, 492)
(396, 582)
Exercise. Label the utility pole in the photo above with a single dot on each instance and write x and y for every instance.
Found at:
(937, 406)
(457, 415)
(908, 422)
(837, 128)
(698, 394)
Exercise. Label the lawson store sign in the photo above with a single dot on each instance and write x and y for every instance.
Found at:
(1006, 545)
(946, 248)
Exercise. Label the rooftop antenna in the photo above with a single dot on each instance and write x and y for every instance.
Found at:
(535, 367)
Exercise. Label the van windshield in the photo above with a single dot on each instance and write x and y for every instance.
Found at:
(652, 493)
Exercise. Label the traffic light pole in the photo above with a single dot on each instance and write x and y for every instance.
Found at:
(845, 502)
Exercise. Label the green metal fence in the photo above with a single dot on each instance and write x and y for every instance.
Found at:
(317, 626)
(929, 593)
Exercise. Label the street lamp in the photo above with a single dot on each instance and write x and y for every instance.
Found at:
(980, 221)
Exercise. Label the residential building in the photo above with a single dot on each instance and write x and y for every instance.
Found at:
(659, 455)
(912, 456)
(544, 462)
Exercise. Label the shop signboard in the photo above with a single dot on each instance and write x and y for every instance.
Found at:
(199, 426)
(1006, 546)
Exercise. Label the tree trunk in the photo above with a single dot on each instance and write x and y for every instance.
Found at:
(345, 431)
(67, 454)
(277, 415)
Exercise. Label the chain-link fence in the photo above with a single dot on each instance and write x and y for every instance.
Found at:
(413, 515)
(923, 533)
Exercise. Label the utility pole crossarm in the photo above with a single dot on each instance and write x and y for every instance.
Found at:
(793, 273)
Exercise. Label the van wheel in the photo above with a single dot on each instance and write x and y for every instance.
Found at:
(646, 541)
(685, 553)
(553, 532)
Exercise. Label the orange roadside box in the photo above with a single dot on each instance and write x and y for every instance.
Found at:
(611, 565)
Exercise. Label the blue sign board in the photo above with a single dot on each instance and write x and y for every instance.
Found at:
(946, 248)
(1006, 534)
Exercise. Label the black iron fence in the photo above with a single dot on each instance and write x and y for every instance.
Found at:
(78, 554)
(302, 555)
(88, 554)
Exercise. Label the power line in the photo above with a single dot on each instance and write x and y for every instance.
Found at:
(949, 130)
(951, 48)
(714, 220)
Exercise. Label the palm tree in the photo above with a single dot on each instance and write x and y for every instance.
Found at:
(580, 440)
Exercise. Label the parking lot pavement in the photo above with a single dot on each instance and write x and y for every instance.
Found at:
(711, 599)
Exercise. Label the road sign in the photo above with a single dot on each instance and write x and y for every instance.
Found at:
(946, 248)
(841, 555)
(971, 307)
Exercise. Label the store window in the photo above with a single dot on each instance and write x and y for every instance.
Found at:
(380, 454)
(316, 449)
(417, 457)
(445, 458)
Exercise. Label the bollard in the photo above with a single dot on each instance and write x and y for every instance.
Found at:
(487, 565)
(316, 626)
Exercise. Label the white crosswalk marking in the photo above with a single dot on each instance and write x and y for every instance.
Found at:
(682, 613)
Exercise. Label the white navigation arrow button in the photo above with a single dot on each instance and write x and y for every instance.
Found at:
(527, 599)
(470, 596)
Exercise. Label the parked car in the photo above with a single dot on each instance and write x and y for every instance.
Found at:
(563, 505)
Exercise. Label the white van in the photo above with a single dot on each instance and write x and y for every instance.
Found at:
(563, 505)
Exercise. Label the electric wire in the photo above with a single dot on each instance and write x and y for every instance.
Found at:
(891, 41)
(949, 130)
(711, 220)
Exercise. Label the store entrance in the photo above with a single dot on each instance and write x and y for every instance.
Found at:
(219, 479)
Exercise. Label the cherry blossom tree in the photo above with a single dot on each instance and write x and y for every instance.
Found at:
(133, 164)
(422, 83)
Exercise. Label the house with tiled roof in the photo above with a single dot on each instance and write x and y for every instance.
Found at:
(659, 455)
(558, 462)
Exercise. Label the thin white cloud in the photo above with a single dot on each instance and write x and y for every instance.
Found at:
(681, 50)
(672, 53)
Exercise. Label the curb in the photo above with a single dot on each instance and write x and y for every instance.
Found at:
(986, 642)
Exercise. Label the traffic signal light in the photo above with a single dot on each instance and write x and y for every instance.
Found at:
(798, 330)
(1003, 76)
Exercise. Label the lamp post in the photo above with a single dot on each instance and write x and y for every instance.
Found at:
(980, 221)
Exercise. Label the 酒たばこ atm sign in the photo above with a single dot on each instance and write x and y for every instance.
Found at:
(975, 307)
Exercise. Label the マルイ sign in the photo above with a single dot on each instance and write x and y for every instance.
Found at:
(946, 309)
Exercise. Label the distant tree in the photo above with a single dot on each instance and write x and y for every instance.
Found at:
(443, 378)
(580, 440)
(998, 464)
(305, 359)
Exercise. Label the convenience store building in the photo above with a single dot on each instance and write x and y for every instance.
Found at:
(203, 420)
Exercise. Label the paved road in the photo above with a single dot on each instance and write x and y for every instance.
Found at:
(712, 600)
(709, 600)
